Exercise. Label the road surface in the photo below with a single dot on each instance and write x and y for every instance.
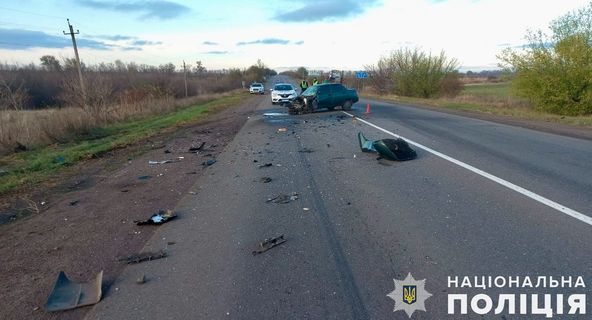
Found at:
(359, 223)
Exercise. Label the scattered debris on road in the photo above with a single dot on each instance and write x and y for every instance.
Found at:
(284, 198)
(67, 294)
(306, 150)
(208, 162)
(153, 162)
(391, 149)
(268, 244)
(159, 218)
(145, 256)
(144, 177)
(282, 129)
(265, 180)
(141, 279)
(193, 149)
(74, 203)
(265, 165)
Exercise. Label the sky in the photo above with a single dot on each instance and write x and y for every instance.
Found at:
(284, 34)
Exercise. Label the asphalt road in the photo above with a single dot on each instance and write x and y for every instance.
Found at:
(359, 223)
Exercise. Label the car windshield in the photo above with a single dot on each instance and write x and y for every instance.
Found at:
(310, 91)
(283, 87)
(256, 85)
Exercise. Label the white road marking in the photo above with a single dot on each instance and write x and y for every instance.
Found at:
(550, 203)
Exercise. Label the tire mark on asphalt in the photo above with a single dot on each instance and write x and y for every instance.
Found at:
(352, 292)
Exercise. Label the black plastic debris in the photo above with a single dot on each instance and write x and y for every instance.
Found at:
(198, 148)
(268, 244)
(74, 203)
(306, 150)
(265, 165)
(20, 147)
(265, 180)
(159, 218)
(284, 198)
(391, 149)
(208, 162)
(145, 256)
(144, 177)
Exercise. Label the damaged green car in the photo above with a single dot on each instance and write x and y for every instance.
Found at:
(321, 96)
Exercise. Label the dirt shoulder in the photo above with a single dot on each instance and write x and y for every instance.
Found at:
(86, 220)
(543, 126)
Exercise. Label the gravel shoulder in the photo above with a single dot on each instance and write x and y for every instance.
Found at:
(85, 216)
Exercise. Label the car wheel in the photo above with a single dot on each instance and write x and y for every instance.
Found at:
(347, 105)
(331, 108)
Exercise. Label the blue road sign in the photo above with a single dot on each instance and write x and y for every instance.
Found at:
(361, 74)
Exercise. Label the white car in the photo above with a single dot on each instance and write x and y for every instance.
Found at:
(257, 88)
(283, 92)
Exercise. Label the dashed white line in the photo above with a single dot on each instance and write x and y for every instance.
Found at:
(550, 203)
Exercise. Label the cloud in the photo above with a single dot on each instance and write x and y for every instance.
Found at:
(115, 37)
(264, 41)
(145, 43)
(26, 39)
(160, 9)
(320, 10)
(216, 52)
(210, 43)
(299, 42)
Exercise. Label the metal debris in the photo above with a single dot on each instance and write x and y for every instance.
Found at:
(67, 294)
(284, 198)
(268, 244)
(159, 218)
(145, 256)
(152, 162)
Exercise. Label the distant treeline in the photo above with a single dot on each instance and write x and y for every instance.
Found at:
(55, 83)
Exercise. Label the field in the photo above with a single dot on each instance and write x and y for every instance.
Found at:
(491, 98)
(33, 166)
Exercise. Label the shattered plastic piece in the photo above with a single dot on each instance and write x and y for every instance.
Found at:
(265, 165)
(144, 177)
(282, 129)
(195, 149)
(391, 149)
(141, 279)
(160, 162)
(75, 202)
(268, 244)
(159, 218)
(306, 150)
(265, 179)
(67, 294)
(284, 198)
(208, 162)
(146, 256)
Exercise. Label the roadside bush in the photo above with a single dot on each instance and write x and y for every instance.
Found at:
(414, 73)
(555, 72)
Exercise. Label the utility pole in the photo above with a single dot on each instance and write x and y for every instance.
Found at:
(185, 77)
(72, 33)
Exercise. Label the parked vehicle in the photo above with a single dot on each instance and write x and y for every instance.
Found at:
(257, 88)
(282, 93)
(327, 95)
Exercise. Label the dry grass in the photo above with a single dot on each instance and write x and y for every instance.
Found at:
(490, 98)
(33, 128)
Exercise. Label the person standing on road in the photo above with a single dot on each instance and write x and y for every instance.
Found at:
(303, 85)
(315, 81)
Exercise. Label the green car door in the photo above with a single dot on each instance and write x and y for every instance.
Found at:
(324, 96)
